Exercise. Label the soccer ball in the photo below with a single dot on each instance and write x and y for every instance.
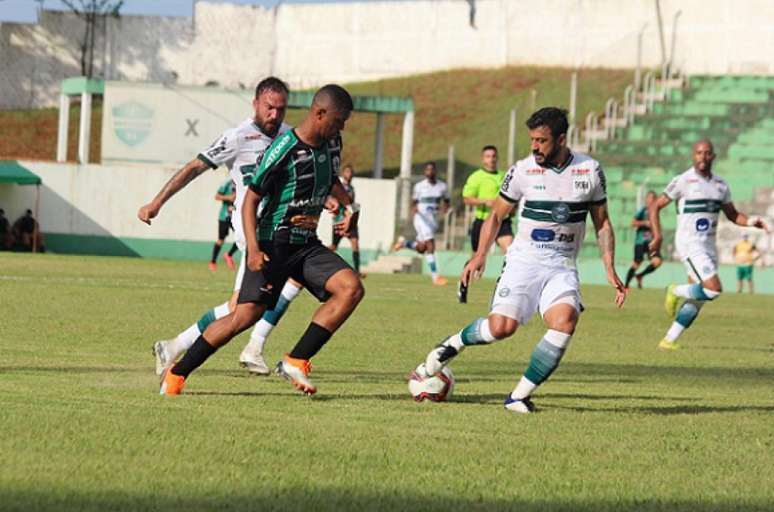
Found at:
(436, 388)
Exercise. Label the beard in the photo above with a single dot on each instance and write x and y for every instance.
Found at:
(269, 128)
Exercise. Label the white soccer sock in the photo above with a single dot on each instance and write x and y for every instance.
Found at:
(221, 311)
(183, 341)
(524, 388)
(683, 290)
(430, 259)
(263, 328)
(674, 332)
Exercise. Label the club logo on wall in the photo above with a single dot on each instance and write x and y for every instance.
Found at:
(132, 122)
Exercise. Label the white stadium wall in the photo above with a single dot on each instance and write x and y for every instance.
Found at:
(310, 44)
(82, 211)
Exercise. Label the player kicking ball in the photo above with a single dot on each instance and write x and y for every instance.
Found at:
(430, 196)
(701, 196)
(559, 188)
(293, 180)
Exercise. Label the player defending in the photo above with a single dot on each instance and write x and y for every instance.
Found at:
(293, 179)
(642, 239)
(226, 194)
(559, 188)
(480, 190)
(700, 196)
(430, 195)
(237, 149)
(347, 173)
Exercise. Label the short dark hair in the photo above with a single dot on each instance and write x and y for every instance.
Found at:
(272, 84)
(337, 95)
(430, 163)
(553, 117)
(488, 147)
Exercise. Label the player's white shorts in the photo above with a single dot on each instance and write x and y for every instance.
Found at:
(701, 265)
(425, 227)
(241, 271)
(524, 289)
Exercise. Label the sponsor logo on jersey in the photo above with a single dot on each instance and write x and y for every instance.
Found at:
(560, 213)
(321, 158)
(542, 235)
(279, 148)
(532, 172)
(538, 187)
(504, 292)
(584, 185)
(581, 171)
(702, 224)
(254, 136)
(132, 122)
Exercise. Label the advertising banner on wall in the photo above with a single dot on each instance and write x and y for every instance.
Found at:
(166, 124)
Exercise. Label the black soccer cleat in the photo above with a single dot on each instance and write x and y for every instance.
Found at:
(462, 293)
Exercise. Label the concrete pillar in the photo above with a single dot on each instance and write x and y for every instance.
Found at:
(84, 135)
(573, 95)
(379, 146)
(407, 147)
(64, 124)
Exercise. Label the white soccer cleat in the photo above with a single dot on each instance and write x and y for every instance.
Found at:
(253, 362)
(439, 357)
(297, 372)
(163, 358)
(523, 406)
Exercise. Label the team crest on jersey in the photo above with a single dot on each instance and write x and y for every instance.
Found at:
(560, 213)
(504, 292)
(321, 158)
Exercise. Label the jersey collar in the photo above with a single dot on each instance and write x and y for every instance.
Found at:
(560, 169)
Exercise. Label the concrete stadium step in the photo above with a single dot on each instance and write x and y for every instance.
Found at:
(394, 264)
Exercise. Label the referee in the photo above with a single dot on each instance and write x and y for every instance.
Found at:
(480, 190)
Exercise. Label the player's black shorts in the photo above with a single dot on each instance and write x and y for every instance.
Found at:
(641, 250)
(475, 231)
(337, 238)
(223, 228)
(311, 264)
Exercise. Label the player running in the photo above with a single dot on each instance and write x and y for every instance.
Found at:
(558, 187)
(642, 239)
(294, 177)
(226, 194)
(237, 149)
(700, 197)
(430, 195)
(480, 190)
(346, 175)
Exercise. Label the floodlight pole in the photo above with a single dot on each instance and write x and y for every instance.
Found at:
(405, 165)
(512, 138)
(64, 123)
(379, 147)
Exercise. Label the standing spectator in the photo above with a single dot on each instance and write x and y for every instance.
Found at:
(6, 236)
(745, 254)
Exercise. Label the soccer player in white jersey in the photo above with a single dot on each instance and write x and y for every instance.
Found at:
(430, 197)
(557, 188)
(700, 196)
(238, 149)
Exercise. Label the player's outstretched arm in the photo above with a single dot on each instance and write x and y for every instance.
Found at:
(654, 218)
(181, 178)
(475, 267)
(255, 258)
(606, 242)
(740, 219)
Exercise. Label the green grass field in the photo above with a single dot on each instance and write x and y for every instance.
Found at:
(621, 426)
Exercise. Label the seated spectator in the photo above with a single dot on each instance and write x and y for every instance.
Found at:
(25, 230)
(6, 235)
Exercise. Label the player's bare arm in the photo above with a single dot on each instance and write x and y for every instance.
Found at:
(177, 182)
(226, 197)
(475, 267)
(606, 242)
(654, 217)
(255, 258)
(741, 219)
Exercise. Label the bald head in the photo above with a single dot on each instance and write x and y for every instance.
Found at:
(703, 156)
(333, 97)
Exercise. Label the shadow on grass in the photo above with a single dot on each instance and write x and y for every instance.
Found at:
(306, 497)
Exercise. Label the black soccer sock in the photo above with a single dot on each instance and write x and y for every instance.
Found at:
(194, 358)
(215, 252)
(311, 342)
(629, 276)
(650, 268)
(356, 260)
(233, 249)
